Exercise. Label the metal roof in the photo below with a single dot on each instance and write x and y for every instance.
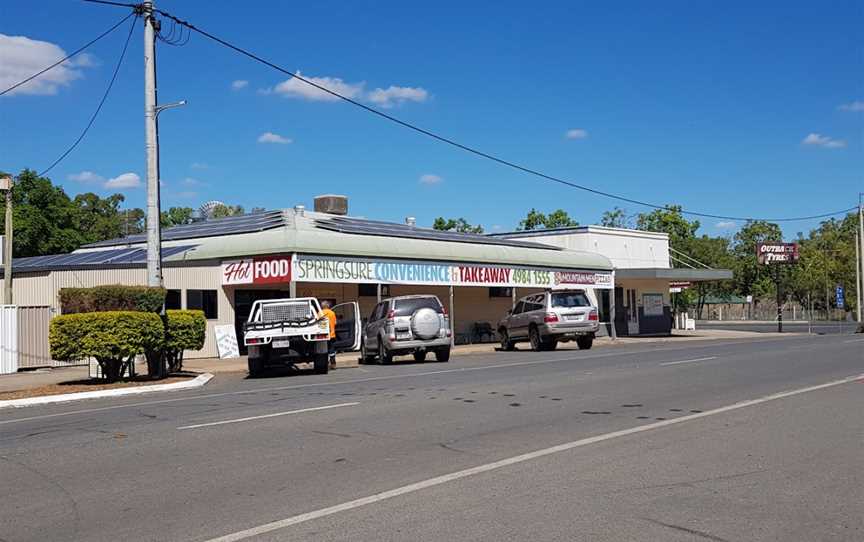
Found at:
(674, 273)
(229, 225)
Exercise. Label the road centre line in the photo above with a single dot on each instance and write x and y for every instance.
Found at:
(375, 379)
(263, 416)
(688, 361)
(458, 475)
(854, 341)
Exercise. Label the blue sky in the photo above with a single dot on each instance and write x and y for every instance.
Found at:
(733, 108)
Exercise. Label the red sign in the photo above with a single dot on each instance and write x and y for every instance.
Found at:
(773, 253)
(263, 270)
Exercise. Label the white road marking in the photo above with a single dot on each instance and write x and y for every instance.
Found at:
(688, 361)
(458, 475)
(250, 418)
(854, 341)
(389, 377)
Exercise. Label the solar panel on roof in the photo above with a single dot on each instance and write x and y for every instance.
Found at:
(390, 229)
(208, 228)
(94, 258)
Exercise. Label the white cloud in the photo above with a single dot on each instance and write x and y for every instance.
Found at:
(394, 95)
(576, 133)
(125, 180)
(198, 165)
(189, 181)
(430, 179)
(22, 57)
(86, 177)
(295, 88)
(239, 84)
(823, 141)
(726, 225)
(270, 137)
(856, 106)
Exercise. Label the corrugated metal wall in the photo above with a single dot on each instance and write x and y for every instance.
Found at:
(8, 339)
(33, 348)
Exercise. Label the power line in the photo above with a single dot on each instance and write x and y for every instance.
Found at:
(70, 55)
(464, 147)
(101, 102)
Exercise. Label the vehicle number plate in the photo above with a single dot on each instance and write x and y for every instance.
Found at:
(285, 343)
(573, 317)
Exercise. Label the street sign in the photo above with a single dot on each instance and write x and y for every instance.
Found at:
(774, 253)
(840, 297)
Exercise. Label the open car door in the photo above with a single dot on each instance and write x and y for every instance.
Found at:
(348, 324)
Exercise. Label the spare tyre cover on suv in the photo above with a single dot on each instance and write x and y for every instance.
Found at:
(425, 324)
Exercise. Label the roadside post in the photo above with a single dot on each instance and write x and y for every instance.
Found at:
(6, 184)
(840, 302)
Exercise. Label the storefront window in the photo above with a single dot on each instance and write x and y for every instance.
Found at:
(499, 291)
(203, 300)
(172, 300)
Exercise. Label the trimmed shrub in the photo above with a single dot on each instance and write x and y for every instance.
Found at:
(112, 338)
(117, 297)
(184, 330)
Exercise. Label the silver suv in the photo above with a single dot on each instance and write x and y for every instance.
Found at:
(547, 318)
(410, 324)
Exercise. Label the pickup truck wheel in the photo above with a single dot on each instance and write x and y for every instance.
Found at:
(321, 363)
(534, 337)
(364, 354)
(506, 343)
(420, 356)
(585, 342)
(256, 366)
(442, 355)
(385, 357)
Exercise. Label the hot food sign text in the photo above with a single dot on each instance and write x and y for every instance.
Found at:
(258, 270)
(362, 270)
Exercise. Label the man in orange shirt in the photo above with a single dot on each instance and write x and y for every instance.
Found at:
(331, 316)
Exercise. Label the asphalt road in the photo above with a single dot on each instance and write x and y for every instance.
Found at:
(648, 442)
(820, 327)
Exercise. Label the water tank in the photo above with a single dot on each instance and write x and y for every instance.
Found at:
(331, 204)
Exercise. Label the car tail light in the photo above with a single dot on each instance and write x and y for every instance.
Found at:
(322, 336)
(593, 316)
(550, 317)
(444, 311)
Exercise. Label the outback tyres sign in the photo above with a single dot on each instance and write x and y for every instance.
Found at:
(777, 253)
(258, 270)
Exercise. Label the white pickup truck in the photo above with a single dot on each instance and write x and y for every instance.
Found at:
(282, 332)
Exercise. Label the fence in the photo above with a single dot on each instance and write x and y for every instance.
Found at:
(24, 338)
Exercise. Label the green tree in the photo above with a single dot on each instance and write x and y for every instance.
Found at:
(44, 217)
(750, 277)
(669, 221)
(535, 220)
(176, 216)
(459, 224)
(616, 218)
(99, 218)
(222, 211)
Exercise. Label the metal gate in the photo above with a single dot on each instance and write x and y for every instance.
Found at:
(8, 339)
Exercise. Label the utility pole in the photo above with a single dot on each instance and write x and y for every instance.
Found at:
(858, 274)
(6, 185)
(154, 233)
(860, 246)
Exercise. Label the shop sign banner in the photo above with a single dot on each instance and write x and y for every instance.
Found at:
(777, 253)
(373, 271)
(258, 270)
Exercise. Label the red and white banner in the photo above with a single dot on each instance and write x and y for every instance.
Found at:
(258, 270)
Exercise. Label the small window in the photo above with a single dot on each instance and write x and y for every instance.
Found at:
(407, 307)
(570, 300)
(172, 300)
(519, 308)
(203, 300)
(500, 291)
(367, 290)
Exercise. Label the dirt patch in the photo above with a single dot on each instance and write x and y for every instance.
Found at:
(75, 386)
